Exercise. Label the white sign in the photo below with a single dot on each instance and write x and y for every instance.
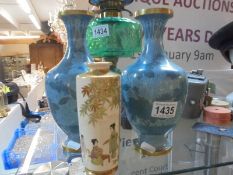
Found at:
(188, 32)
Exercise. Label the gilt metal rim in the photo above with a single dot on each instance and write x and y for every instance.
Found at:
(75, 12)
(154, 11)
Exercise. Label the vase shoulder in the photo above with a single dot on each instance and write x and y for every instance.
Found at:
(157, 65)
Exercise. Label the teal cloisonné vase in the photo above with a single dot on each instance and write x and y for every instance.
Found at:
(61, 80)
(154, 88)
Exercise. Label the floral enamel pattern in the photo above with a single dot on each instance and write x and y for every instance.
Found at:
(100, 96)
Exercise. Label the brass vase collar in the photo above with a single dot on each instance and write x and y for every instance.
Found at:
(110, 14)
(75, 12)
(111, 8)
(152, 11)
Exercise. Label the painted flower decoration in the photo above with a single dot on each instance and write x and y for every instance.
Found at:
(4, 89)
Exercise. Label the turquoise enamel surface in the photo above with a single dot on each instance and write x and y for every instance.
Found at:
(61, 80)
(153, 78)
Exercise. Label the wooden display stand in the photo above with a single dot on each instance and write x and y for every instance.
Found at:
(48, 51)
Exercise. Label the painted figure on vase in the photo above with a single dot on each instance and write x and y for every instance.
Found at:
(97, 155)
(99, 110)
(113, 141)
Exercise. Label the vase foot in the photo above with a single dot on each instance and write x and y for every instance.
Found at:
(145, 152)
(71, 147)
(109, 172)
(153, 145)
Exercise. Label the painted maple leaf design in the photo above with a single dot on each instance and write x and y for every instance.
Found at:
(86, 91)
(102, 94)
(94, 107)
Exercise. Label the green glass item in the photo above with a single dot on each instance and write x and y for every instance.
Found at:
(113, 37)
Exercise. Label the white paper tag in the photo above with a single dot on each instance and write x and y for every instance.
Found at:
(73, 145)
(148, 147)
(100, 31)
(164, 109)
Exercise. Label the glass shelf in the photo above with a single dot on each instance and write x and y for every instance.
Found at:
(187, 155)
(191, 154)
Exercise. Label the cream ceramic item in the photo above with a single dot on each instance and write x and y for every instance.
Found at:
(98, 94)
(220, 103)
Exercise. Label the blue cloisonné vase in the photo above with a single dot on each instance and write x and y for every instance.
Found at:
(154, 88)
(61, 80)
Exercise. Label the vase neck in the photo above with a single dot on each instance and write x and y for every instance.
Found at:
(153, 27)
(76, 26)
(99, 68)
